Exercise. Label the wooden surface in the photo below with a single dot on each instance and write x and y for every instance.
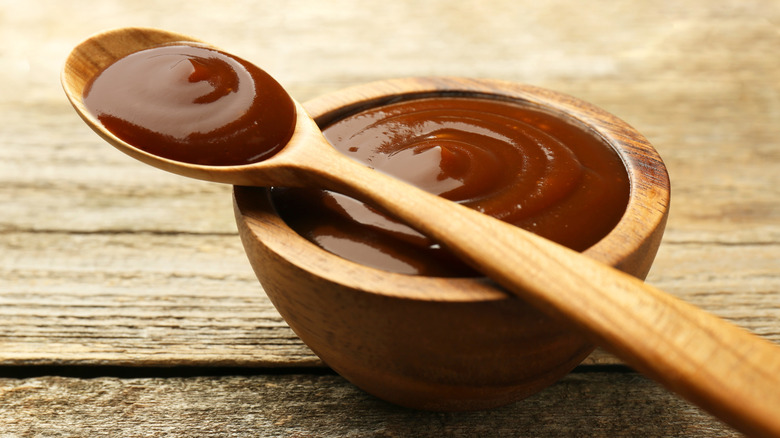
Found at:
(305, 405)
(106, 262)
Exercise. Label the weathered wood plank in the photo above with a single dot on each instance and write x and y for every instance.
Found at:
(157, 299)
(133, 299)
(583, 404)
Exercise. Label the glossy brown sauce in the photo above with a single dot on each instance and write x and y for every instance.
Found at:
(193, 104)
(516, 162)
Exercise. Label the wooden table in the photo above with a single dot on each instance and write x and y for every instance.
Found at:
(127, 307)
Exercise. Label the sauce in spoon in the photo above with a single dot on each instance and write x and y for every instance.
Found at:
(194, 104)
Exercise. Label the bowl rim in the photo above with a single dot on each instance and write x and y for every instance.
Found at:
(646, 209)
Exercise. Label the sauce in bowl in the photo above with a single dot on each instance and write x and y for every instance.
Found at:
(516, 162)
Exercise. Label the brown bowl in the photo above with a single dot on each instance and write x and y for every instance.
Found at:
(472, 346)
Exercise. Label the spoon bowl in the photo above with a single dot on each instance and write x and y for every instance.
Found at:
(93, 55)
(724, 369)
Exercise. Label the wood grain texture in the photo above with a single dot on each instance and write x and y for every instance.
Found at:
(326, 406)
(200, 307)
(78, 219)
(50, 278)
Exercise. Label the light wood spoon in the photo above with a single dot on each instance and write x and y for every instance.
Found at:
(724, 369)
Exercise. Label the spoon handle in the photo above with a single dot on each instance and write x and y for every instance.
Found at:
(724, 369)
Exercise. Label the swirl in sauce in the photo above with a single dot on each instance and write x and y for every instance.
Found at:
(515, 162)
(194, 104)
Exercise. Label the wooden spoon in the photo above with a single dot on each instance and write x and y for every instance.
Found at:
(724, 369)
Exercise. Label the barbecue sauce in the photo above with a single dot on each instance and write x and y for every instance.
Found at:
(516, 162)
(192, 103)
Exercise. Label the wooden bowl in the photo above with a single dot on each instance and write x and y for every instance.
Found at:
(442, 343)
